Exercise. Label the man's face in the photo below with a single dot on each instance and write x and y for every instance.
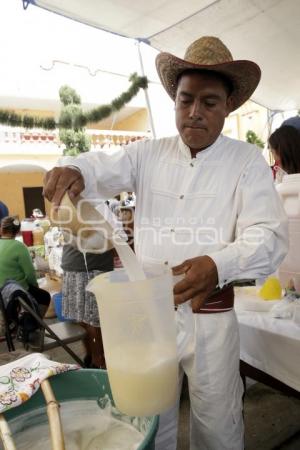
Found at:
(201, 105)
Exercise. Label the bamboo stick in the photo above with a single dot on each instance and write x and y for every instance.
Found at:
(6, 435)
(56, 430)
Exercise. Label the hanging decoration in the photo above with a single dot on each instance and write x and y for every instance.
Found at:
(252, 138)
(73, 137)
(72, 118)
(18, 120)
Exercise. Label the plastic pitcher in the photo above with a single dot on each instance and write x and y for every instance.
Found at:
(38, 235)
(289, 191)
(139, 335)
(27, 226)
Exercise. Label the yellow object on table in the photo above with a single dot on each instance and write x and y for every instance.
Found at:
(271, 289)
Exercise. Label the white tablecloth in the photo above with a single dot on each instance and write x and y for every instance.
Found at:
(271, 345)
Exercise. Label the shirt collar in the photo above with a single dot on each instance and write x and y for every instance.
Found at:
(187, 153)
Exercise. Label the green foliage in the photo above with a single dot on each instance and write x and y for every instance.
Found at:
(252, 138)
(72, 119)
(75, 141)
(69, 96)
(24, 121)
(71, 131)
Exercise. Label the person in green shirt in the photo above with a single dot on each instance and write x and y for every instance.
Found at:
(16, 263)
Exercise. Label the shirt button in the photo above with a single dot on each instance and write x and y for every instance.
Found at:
(192, 165)
(181, 197)
(172, 230)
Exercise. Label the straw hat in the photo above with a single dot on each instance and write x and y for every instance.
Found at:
(209, 53)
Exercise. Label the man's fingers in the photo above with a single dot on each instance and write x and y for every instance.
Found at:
(181, 268)
(185, 296)
(182, 286)
(73, 190)
(50, 181)
(61, 187)
(57, 198)
(46, 178)
(76, 188)
(198, 301)
(199, 280)
(61, 179)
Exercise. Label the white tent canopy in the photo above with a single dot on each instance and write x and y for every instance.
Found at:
(266, 31)
(44, 51)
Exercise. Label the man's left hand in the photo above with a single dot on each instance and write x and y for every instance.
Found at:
(201, 278)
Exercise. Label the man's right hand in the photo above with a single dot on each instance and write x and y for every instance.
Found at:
(61, 179)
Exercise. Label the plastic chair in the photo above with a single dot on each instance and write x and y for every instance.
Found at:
(5, 326)
(46, 337)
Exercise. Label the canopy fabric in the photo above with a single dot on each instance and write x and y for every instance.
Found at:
(265, 31)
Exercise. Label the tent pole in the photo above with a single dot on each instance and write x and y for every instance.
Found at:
(270, 120)
(271, 114)
(146, 92)
(269, 127)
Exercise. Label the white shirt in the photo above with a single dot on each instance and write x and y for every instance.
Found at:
(221, 203)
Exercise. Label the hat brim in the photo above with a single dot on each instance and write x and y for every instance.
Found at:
(244, 75)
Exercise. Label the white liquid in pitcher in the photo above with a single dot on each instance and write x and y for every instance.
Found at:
(86, 427)
(144, 385)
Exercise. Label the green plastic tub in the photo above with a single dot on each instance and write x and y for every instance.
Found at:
(84, 384)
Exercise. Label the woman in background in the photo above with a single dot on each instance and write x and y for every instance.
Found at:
(285, 147)
(284, 144)
(80, 305)
(16, 263)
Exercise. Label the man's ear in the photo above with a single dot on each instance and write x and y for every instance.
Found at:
(229, 105)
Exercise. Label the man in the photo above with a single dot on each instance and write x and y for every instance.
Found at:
(205, 205)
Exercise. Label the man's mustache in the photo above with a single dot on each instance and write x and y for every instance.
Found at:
(195, 125)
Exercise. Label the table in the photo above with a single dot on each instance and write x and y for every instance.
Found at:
(37, 250)
(270, 349)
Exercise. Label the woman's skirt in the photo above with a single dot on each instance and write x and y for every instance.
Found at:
(78, 304)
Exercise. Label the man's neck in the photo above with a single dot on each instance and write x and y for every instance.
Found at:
(195, 151)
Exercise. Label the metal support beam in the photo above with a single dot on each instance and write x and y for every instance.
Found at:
(146, 91)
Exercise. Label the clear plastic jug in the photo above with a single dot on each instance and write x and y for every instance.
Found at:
(289, 270)
(139, 336)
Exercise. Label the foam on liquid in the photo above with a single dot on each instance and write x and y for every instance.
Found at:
(86, 427)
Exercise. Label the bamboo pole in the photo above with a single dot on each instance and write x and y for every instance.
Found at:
(56, 430)
(6, 435)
